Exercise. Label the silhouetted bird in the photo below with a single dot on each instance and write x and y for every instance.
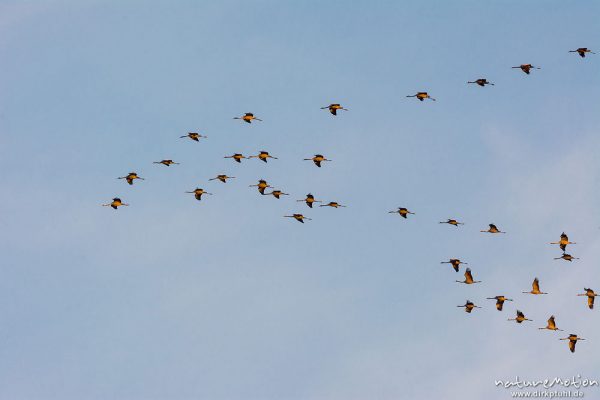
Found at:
(526, 68)
(317, 159)
(248, 117)
(468, 278)
(115, 203)
(590, 295)
(195, 136)
(566, 257)
(403, 212)
(130, 177)
(422, 96)
(482, 82)
(572, 338)
(261, 185)
(452, 222)
(236, 157)
(333, 204)
(333, 108)
(520, 317)
(551, 325)
(297, 217)
(582, 51)
(263, 156)
(278, 193)
(493, 229)
(166, 162)
(309, 200)
(535, 287)
(563, 242)
(469, 306)
(499, 301)
(222, 178)
(455, 262)
(198, 193)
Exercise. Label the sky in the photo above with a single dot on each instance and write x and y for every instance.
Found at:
(225, 299)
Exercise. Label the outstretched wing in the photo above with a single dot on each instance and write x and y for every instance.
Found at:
(499, 305)
(468, 275)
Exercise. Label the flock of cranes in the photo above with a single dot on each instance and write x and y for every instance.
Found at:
(469, 306)
(310, 201)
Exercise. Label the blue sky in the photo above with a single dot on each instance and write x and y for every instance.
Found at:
(226, 299)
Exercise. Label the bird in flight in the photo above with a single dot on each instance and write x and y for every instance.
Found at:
(566, 257)
(333, 108)
(468, 278)
(115, 203)
(455, 262)
(582, 51)
(422, 96)
(263, 156)
(298, 217)
(572, 338)
(198, 193)
(403, 212)
(452, 222)
(520, 317)
(551, 325)
(237, 157)
(493, 229)
(333, 204)
(195, 136)
(535, 287)
(590, 295)
(499, 301)
(469, 306)
(482, 82)
(317, 159)
(222, 178)
(309, 200)
(563, 242)
(527, 68)
(130, 177)
(248, 117)
(261, 185)
(166, 162)
(278, 193)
